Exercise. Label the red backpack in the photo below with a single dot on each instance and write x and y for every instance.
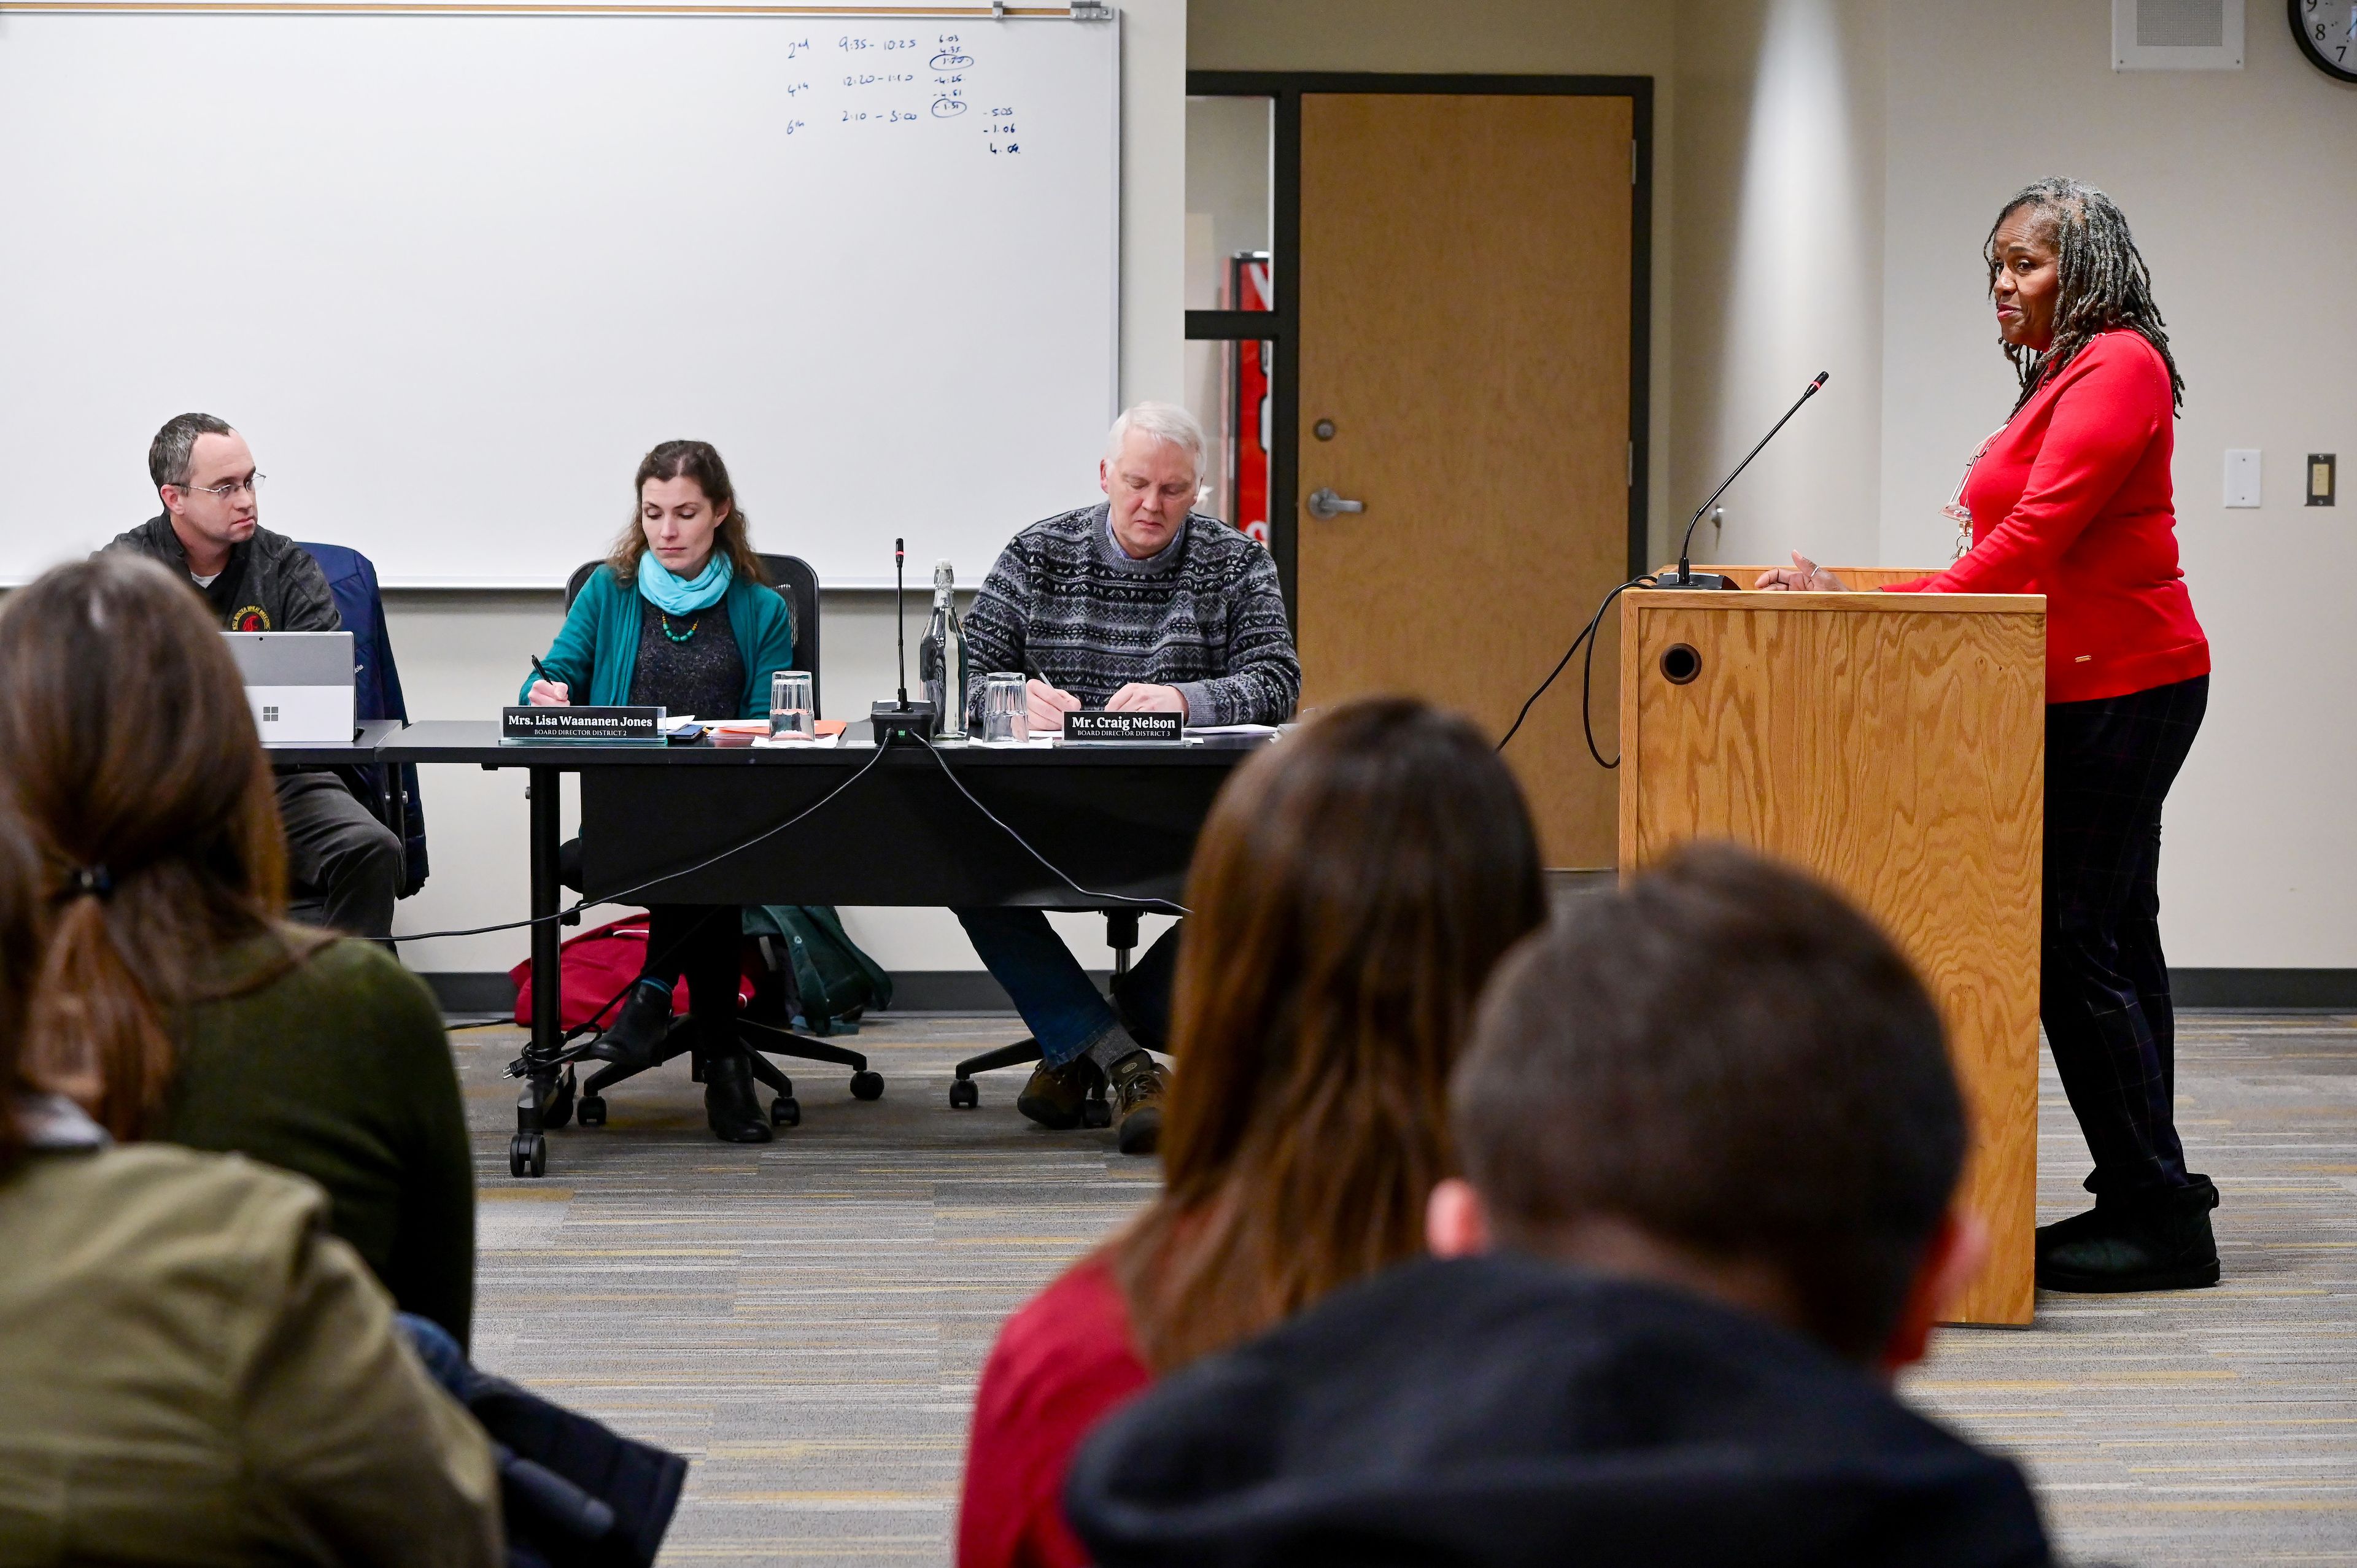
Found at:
(597, 967)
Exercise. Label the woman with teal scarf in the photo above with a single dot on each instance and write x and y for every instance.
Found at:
(681, 618)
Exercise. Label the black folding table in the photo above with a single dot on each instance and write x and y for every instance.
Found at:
(706, 824)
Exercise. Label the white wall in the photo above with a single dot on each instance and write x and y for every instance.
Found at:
(2249, 246)
(1776, 251)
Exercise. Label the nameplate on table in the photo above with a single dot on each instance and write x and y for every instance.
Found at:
(642, 726)
(1094, 727)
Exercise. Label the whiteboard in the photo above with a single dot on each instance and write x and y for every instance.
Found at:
(453, 275)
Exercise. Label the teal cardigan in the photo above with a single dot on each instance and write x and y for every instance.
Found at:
(597, 648)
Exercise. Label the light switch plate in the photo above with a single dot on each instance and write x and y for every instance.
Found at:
(2241, 476)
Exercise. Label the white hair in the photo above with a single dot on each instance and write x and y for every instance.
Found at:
(1163, 422)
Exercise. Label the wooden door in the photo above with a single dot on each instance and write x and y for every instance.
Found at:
(1464, 298)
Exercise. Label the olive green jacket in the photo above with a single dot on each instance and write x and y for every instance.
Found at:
(338, 1068)
(195, 1372)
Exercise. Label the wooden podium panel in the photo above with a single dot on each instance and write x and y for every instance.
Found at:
(1893, 745)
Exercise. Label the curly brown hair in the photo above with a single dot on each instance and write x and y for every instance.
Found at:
(699, 461)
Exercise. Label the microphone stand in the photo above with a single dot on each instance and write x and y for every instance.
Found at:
(916, 720)
(1685, 576)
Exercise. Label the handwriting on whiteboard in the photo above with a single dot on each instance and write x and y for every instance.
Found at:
(892, 80)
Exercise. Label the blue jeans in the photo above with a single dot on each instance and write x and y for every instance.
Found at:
(1060, 1003)
(444, 1362)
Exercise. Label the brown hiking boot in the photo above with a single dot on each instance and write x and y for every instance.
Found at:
(1054, 1095)
(1138, 1086)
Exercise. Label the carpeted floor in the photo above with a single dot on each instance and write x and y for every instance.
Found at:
(805, 1318)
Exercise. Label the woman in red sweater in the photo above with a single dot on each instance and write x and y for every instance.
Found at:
(1351, 891)
(2072, 499)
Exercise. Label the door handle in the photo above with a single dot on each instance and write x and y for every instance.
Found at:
(1324, 502)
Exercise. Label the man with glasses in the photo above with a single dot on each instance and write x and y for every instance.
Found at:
(343, 866)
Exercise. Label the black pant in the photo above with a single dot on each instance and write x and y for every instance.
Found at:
(343, 866)
(703, 943)
(2103, 996)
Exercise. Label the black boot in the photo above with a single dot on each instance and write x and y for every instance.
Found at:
(2104, 1219)
(636, 1036)
(729, 1102)
(2155, 1241)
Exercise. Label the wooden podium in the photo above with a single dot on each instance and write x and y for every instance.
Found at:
(1895, 745)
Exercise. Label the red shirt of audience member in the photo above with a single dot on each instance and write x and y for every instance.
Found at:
(1060, 1365)
(2072, 499)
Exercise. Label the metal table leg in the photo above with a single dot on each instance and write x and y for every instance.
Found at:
(528, 1152)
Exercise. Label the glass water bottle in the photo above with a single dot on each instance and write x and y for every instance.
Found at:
(940, 656)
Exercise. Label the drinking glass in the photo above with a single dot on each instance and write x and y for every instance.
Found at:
(792, 710)
(1005, 708)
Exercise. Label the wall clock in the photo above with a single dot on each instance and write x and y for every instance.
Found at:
(2327, 31)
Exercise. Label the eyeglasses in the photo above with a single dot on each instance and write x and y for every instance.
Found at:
(251, 485)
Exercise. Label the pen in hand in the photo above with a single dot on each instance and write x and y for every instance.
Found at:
(541, 670)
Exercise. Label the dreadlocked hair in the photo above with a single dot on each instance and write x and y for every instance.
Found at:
(2105, 284)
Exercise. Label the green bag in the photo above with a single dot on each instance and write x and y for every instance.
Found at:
(828, 981)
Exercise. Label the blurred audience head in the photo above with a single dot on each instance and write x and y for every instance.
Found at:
(20, 953)
(1723, 1075)
(1350, 894)
(129, 753)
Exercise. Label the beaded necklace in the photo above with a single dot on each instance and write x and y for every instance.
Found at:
(678, 636)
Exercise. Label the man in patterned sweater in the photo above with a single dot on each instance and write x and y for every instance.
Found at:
(1139, 603)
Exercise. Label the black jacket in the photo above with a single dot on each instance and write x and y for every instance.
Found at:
(1508, 1411)
(271, 582)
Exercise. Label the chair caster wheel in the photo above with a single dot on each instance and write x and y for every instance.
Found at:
(785, 1111)
(866, 1086)
(527, 1154)
(963, 1095)
(559, 1108)
(1095, 1114)
(591, 1111)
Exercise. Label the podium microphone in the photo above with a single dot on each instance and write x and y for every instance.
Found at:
(1684, 577)
(914, 720)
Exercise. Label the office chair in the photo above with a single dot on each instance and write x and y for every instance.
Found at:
(1121, 935)
(755, 1036)
(792, 576)
(390, 794)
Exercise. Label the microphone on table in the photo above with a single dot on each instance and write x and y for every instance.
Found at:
(914, 720)
(1685, 576)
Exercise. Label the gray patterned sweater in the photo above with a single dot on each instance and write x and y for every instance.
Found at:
(1066, 603)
